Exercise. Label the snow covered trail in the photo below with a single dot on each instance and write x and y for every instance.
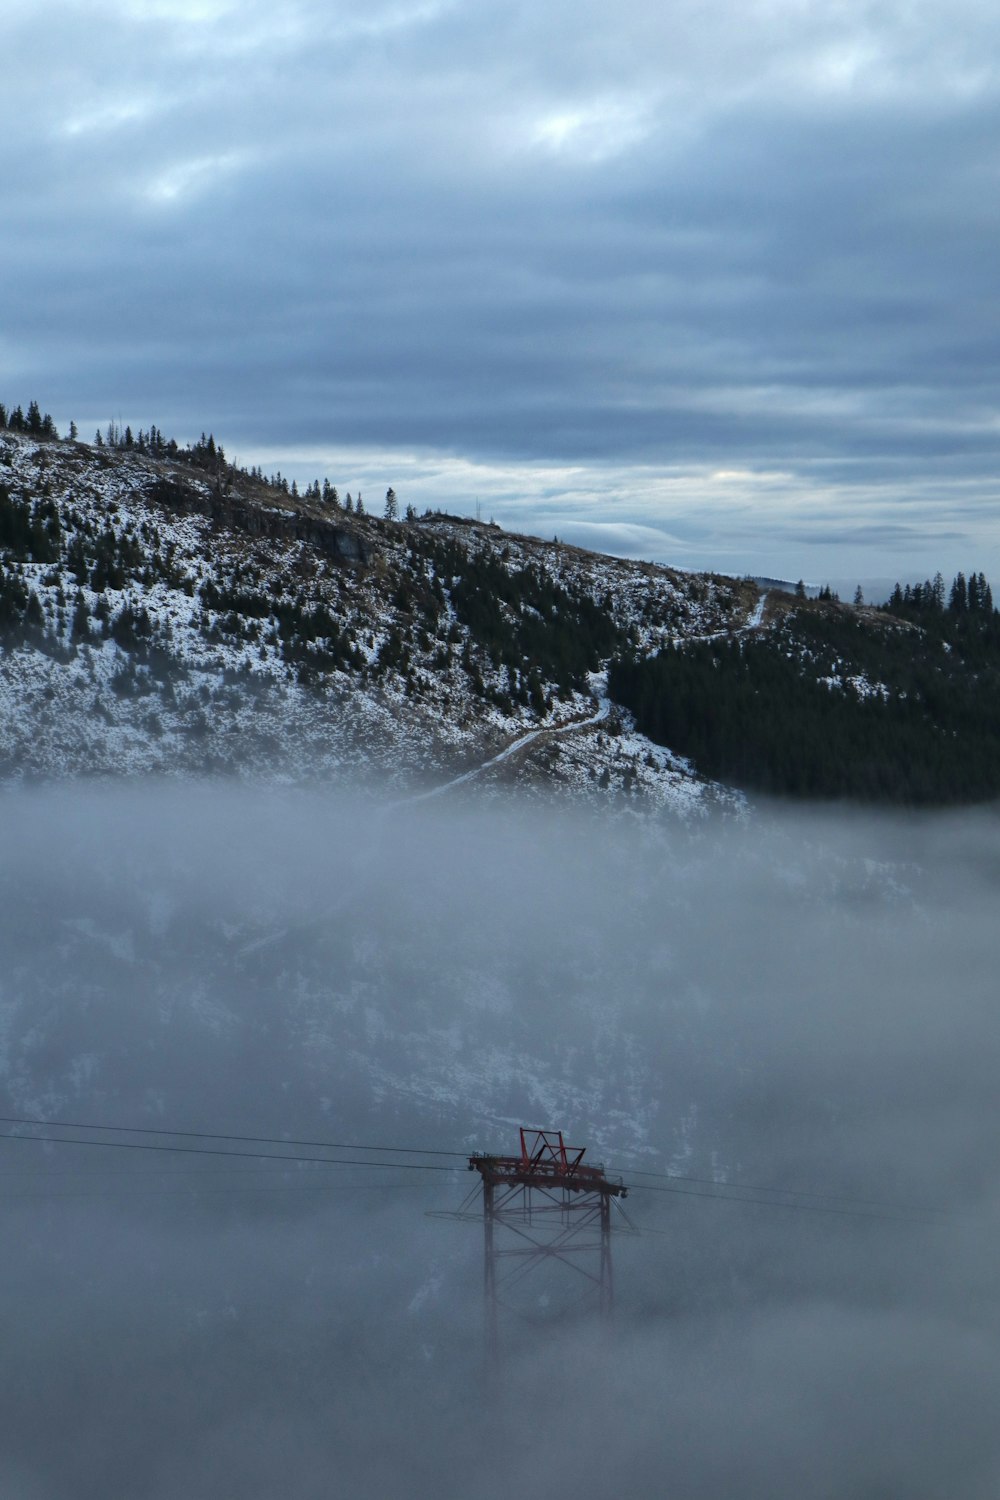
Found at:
(753, 621)
(756, 620)
(604, 708)
(599, 684)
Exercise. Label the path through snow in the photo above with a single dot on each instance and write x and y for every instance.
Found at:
(753, 621)
(598, 681)
(604, 708)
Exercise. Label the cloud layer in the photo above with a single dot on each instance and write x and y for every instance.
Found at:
(644, 246)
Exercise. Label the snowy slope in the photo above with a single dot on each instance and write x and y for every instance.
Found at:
(233, 627)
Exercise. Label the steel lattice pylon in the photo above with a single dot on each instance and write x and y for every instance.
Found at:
(543, 1207)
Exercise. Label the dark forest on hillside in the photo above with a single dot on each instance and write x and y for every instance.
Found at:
(834, 703)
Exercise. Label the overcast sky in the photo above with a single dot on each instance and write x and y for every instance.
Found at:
(709, 283)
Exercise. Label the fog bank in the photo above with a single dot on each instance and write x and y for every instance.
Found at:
(803, 1002)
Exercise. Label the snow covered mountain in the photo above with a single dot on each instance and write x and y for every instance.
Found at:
(164, 612)
(793, 1016)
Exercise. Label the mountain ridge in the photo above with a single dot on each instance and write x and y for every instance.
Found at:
(167, 614)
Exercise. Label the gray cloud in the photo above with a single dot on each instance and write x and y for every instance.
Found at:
(516, 237)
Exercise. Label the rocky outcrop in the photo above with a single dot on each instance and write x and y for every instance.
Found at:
(277, 523)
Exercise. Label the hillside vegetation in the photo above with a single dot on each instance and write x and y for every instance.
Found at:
(162, 610)
(835, 702)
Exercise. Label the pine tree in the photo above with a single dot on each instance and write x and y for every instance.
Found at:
(80, 629)
(937, 589)
(972, 594)
(391, 506)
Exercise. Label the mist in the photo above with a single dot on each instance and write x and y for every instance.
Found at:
(800, 1003)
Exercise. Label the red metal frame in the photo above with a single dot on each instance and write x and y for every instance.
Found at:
(542, 1206)
(545, 1160)
(546, 1149)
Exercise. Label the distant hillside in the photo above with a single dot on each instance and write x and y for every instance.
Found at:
(162, 611)
(837, 702)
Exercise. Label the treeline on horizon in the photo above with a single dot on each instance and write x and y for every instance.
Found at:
(838, 703)
(539, 636)
(205, 454)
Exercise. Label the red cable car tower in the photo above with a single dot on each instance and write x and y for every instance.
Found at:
(542, 1207)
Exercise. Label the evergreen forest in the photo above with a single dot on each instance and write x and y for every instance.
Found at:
(896, 706)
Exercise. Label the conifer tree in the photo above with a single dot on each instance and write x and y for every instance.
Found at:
(80, 628)
(937, 591)
(982, 588)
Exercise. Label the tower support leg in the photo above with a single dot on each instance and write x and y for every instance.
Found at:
(607, 1280)
(490, 1275)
